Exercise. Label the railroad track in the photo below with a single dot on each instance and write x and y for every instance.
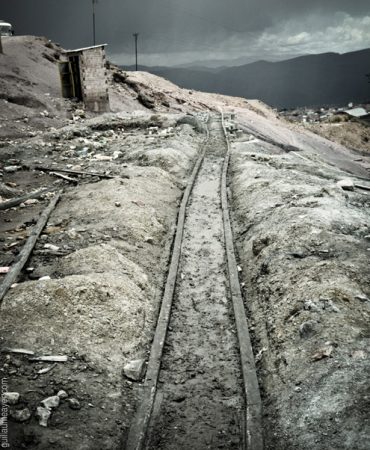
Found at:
(201, 388)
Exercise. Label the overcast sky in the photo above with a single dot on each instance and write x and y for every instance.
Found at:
(181, 31)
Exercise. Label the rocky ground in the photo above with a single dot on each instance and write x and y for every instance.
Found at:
(91, 290)
(303, 244)
(352, 134)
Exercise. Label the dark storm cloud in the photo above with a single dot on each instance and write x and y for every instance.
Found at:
(173, 31)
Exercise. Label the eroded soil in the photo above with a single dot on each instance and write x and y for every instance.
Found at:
(303, 244)
(92, 287)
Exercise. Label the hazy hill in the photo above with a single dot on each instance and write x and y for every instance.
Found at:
(312, 80)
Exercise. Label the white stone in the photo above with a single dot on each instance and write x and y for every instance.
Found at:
(51, 402)
(43, 415)
(346, 184)
(134, 370)
(11, 398)
(62, 394)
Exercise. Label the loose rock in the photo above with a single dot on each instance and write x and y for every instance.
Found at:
(11, 169)
(62, 394)
(11, 398)
(346, 184)
(20, 415)
(74, 403)
(52, 247)
(43, 415)
(308, 329)
(362, 298)
(324, 352)
(134, 370)
(51, 402)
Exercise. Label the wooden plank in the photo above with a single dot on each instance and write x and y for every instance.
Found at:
(253, 413)
(17, 201)
(73, 172)
(26, 251)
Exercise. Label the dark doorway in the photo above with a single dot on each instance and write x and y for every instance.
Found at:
(70, 78)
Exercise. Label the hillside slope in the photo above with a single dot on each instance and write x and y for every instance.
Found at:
(91, 290)
(30, 90)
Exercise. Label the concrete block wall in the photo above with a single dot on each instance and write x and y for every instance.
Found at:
(94, 79)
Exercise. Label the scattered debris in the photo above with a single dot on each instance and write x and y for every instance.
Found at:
(23, 199)
(50, 358)
(11, 169)
(46, 369)
(21, 351)
(31, 201)
(328, 305)
(52, 247)
(12, 275)
(362, 186)
(362, 298)
(74, 172)
(64, 177)
(259, 355)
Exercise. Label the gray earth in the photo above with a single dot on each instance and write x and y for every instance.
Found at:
(303, 244)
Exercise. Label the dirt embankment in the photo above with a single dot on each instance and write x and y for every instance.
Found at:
(30, 94)
(92, 287)
(354, 135)
(303, 244)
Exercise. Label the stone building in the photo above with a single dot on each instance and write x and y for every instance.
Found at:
(84, 76)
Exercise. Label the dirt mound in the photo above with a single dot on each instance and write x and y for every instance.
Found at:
(105, 250)
(303, 246)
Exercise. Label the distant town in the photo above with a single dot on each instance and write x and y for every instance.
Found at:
(329, 114)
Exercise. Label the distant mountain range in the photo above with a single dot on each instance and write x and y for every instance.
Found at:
(219, 64)
(310, 80)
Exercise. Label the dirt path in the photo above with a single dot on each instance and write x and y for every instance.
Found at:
(200, 397)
